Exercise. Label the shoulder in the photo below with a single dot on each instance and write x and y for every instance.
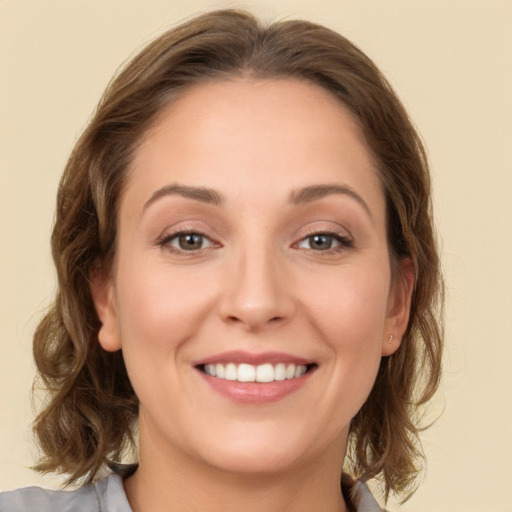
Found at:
(107, 495)
(36, 499)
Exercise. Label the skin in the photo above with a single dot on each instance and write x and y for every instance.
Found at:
(258, 284)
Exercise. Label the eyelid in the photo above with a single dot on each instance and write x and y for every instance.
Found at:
(324, 228)
(340, 234)
(175, 236)
(339, 239)
(170, 233)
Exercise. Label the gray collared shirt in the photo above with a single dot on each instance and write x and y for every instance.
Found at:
(107, 495)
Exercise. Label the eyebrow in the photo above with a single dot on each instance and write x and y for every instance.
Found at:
(297, 197)
(202, 194)
(316, 192)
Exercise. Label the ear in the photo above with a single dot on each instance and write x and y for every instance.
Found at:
(102, 291)
(399, 307)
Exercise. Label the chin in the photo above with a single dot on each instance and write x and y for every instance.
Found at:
(255, 462)
(264, 452)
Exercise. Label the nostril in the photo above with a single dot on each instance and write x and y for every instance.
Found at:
(255, 310)
(235, 318)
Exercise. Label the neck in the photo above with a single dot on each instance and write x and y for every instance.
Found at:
(171, 481)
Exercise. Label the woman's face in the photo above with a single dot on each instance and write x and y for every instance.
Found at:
(251, 292)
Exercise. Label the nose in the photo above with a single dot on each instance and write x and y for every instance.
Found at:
(258, 291)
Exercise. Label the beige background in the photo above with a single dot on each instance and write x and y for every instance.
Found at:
(450, 63)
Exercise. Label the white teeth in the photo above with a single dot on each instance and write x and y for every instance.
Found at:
(280, 371)
(230, 372)
(264, 373)
(250, 373)
(299, 371)
(246, 373)
(219, 370)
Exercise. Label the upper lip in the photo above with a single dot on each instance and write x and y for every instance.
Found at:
(240, 356)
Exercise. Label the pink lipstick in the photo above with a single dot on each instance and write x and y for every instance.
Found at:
(255, 378)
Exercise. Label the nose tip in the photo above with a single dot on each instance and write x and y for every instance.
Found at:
(258, 295)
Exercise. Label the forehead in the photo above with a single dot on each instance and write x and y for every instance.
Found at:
(254, 135)
(268, 107)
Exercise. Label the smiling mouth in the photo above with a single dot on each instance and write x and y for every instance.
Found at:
(262, 373)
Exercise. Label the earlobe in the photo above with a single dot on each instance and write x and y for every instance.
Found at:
(399, 307)
(102, 291)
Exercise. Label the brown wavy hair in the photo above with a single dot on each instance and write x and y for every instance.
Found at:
(91, 408)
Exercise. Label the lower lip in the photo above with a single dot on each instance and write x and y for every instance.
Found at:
(255, 392)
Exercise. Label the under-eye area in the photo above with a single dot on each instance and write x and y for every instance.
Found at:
(262, 373)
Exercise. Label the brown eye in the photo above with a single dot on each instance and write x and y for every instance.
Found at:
(186, 242)
(190, 241)
(320, 242)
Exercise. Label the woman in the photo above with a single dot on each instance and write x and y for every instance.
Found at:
(248, 278)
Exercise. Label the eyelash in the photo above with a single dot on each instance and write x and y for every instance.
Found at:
(166, 240)
(343, 241)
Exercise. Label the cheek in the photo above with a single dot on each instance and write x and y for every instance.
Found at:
(350, 306)
(159, 313)
(350, 314)
(158, 309)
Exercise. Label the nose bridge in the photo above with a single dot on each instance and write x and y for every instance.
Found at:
(257, 293)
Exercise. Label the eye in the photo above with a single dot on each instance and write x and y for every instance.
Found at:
(186, 241)
(324, 242)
